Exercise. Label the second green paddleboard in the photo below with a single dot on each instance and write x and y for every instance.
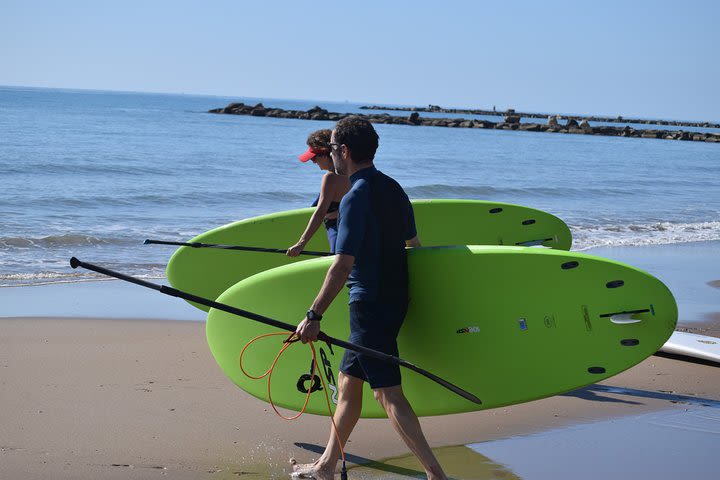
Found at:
(208, 272)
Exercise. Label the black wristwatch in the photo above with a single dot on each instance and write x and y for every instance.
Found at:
(313, 316)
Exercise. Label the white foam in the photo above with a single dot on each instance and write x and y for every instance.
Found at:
(49, 278)
(657, 233)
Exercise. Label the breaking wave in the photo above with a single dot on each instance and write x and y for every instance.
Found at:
(658, 233)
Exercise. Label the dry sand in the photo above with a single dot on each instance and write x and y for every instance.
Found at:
(142, 399)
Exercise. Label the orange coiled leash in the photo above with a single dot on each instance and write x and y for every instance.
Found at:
(286, 344)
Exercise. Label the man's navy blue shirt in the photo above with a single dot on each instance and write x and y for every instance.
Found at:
(375, 220)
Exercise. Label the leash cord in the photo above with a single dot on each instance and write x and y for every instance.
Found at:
(286, 344)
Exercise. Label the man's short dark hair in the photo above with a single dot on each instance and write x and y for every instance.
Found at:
(359, 136)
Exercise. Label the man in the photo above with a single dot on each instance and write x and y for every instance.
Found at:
(376, 223)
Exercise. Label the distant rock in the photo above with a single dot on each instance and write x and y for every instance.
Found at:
(233, 106)
(258, 110)
(483, 124)
(628, 131)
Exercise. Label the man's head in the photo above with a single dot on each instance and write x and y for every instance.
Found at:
(354, 139)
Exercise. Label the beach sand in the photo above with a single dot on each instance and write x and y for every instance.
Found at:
(133, 398)
(142, 399)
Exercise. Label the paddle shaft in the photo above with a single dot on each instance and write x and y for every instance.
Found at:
(75, 263)
(233, 247)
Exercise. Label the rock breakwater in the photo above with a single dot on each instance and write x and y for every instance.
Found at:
(590, 118)
(511, 121)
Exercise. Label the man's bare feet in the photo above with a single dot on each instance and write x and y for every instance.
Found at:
(310, 470)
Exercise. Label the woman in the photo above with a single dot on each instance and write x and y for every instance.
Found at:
(332, 189)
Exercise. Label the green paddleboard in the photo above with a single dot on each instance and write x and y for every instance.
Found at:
(507, 324)
(207, 272)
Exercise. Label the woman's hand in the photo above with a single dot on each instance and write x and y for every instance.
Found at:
(295, 250)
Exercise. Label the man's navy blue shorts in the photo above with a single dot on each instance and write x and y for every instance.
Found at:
(374, 325)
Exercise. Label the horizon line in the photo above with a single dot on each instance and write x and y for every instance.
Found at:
(361, 103)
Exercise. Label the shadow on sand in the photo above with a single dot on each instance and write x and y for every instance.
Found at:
(591, 394)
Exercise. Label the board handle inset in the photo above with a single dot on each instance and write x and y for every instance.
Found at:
(536, 243)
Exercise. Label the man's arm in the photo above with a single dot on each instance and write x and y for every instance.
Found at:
(334, 281)
(411, 238)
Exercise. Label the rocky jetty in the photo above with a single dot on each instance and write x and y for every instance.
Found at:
(511, 121)
(510, 111)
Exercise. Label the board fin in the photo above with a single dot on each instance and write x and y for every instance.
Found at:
(624, 318)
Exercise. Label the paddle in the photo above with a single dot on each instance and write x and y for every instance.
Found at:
(233, 247)
(75, 263)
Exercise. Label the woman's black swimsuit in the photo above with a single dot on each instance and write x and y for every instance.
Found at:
(331, 224)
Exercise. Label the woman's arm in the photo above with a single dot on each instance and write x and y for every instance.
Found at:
(327, 192)
(413, 242)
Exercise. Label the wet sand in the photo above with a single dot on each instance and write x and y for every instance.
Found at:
(710, 325)
(660, 445)
(141, 399)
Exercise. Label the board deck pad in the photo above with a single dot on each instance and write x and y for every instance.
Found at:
(208, 272)
(507, 324)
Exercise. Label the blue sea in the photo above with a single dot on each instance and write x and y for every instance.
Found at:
(93, 173)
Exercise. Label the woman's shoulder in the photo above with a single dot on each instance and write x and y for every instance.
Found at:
(334, 176)
(335, 179)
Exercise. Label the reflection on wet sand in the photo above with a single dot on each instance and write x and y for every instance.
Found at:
(459, 462)
(660, 445)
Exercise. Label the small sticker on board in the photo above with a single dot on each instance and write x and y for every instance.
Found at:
(469, 330)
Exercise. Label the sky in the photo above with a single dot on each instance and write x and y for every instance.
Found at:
(649, 59)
